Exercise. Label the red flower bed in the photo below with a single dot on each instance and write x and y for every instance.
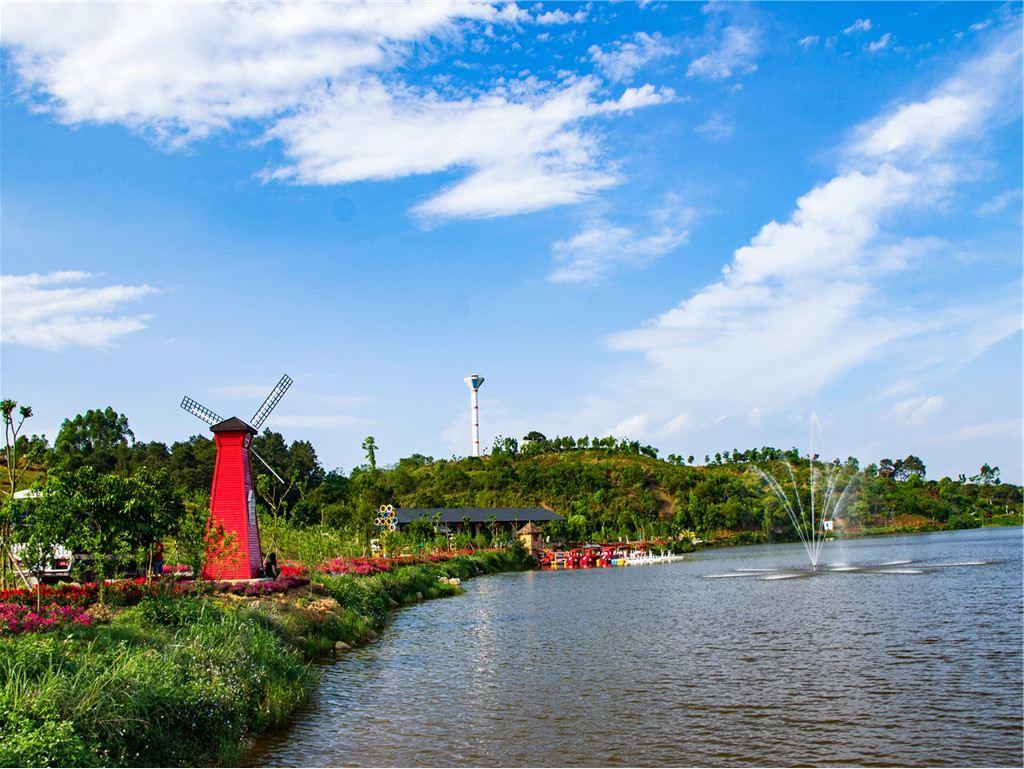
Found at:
(125, 592)
(359, 566)
(365, 566)
(18, 618)
(129, 592)
(253, 589)
(291, 569)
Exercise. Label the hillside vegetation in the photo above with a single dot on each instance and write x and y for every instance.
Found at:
(605, 488)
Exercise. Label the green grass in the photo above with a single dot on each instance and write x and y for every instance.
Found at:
(184, 681)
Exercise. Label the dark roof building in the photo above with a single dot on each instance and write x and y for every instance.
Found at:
(475, 515)
(233, 425)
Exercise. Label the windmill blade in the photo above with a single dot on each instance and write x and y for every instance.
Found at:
(197, 409)
(268, 405)
(271, 469)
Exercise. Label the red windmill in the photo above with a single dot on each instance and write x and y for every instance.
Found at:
(232, 498)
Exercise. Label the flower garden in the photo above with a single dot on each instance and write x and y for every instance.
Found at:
(68, 604)
(208, 664)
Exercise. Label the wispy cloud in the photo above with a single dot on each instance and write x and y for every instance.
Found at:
(624, 58)
(914, 412)
(880, 44)
(999, 203)
(734, 53)
(523, 151)
(860, 25)
(600, 248)
(805, 300)
(809, 41)
(559, 17)
(52, 311)
(716, 127)
(321, 79)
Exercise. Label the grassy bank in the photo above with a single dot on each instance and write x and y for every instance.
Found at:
(186, 680)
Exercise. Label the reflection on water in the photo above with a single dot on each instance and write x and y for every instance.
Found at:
(656, 665)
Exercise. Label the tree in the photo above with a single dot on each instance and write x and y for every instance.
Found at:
(905, 468)
(508, 447)
(192, 463)
(99, 438)
(12, 427)
(158, 511)
(195, 536)
(39, 525)
(110, 512)
(987, 476)
(277, 496)
(370, 447)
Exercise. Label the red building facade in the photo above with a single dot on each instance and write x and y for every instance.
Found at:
(233, 505)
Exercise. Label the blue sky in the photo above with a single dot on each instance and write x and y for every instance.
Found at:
(694, 225)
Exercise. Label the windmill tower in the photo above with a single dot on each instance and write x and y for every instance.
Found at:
(473, 381)
(232, 497)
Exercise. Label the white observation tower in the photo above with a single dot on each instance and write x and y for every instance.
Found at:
(473, 381)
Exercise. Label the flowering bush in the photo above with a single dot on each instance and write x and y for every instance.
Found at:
(19, 618)
(359, 566)
(253, 589)
(291, 569)
(126, 592)
(131, 592)
(377, 565)
(177, 568)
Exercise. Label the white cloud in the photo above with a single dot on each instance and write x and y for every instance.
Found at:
(809, 41)
(559, 17)
(716, 127)
(50, 311)
(523, 152)
(999, 203)
(804, 301)
(184, 70)
(963, 107)
(680, 423)
(624, 58)
(734, 54)
(880, 44)
(320, 78)
(914, 412)
(861, 25)
(599, 248)
(631, 427)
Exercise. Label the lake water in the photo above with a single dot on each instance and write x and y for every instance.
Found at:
(657, 665)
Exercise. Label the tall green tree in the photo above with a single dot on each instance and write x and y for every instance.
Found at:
(370, 447)
(99, 438)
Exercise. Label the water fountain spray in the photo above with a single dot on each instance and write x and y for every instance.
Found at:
(814, 524)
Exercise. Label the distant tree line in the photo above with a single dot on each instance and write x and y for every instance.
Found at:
(605, 487)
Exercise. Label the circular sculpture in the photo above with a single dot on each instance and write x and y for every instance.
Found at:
(387, 518)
